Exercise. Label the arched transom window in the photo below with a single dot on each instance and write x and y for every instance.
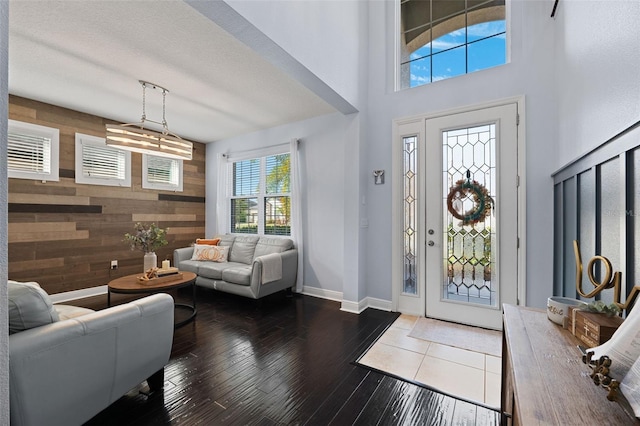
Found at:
(445, 38)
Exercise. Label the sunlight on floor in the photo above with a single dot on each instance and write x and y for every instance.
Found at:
(458, 372)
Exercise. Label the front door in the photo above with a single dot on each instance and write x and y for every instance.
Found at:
(460, 216)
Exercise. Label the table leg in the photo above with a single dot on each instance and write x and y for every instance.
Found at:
(108, 298)
(193, 297)
(191, 307)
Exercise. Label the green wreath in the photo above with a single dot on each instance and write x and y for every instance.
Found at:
(465, 188)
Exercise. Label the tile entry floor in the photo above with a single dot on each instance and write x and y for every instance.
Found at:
(466, 374)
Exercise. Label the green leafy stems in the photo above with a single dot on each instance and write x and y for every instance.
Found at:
(602, 308)
(147, 238)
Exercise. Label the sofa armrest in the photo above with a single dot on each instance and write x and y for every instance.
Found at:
(68, 371)
(289, 271)
(181, 254)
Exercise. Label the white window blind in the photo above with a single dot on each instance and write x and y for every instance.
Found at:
(32, 151)
(162, 170)
(245, 177)
(99, 164)
(103, 162)
(161, 173)
(29, 153)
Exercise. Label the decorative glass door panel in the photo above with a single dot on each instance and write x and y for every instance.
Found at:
(469, 227)
(408, 215)
(410, 200)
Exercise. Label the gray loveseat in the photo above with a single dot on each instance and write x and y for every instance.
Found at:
(67, 364)
(243, 272)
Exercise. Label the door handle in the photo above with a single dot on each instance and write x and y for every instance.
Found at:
(431, 243)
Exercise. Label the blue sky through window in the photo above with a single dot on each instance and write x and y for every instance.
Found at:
(466, 50)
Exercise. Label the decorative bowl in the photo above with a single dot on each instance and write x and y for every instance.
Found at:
(558, 308)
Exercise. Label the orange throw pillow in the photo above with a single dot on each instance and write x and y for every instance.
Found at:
(211, 242)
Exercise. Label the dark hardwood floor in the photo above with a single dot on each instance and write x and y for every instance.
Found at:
(284, 361)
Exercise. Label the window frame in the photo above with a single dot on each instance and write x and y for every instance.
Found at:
(398, 60)
(36, 130)
(261, 195)
(81, 140)
(146, 184)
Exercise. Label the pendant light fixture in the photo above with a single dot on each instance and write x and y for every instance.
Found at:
(138, 138)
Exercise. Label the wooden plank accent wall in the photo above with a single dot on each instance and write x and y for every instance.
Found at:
(64, 235)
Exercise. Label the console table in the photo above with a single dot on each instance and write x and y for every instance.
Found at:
(544, 381)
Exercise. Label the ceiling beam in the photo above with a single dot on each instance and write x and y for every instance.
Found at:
(238, 26)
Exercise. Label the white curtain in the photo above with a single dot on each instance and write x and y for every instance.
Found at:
(222, 221)
(296, 211)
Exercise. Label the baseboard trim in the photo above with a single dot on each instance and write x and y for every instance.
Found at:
(367, 302)
(380, 304)
(78, 294)
(353, 307)
(347, 306)
(322, 293)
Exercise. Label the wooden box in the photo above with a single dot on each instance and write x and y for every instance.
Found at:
(593, 329)
(169, 271)
(570, 319)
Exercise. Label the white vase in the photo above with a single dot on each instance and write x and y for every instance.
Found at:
(150, 261)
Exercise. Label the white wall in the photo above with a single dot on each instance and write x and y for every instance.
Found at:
(4, 113)
(598, 80)
(578, 73)
(366, 145)
(530, 73)
(322, 35)
(322, 164)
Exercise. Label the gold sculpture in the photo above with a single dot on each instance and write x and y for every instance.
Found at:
(607, 283)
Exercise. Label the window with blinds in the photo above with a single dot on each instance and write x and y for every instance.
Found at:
(260, 201)
(99, 164)
(32, 151)
(161, 173)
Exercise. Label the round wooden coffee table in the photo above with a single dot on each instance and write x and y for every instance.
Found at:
(130, 285)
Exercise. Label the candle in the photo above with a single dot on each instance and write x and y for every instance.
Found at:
(166, 264)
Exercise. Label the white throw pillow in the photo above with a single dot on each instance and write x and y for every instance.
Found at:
(209, 252)
(29, 306)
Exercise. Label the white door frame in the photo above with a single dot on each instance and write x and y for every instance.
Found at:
(418, 308)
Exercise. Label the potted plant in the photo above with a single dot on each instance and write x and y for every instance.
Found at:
(147, 238)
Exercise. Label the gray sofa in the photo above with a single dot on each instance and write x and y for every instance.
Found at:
(65, 371)
(242, 273)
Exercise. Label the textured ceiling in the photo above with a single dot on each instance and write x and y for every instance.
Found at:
(89, 56)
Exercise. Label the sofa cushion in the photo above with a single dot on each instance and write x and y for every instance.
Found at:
(214, 270)
(237, 275)
(190, 266)
(67, 311)
(29, 306)
(226, 240)
(210, 252)
(243, 249)
(267, 245)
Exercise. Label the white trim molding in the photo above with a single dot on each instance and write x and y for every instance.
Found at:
(347, 306)
(322, 293)
(78, 294)
(367, 302)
